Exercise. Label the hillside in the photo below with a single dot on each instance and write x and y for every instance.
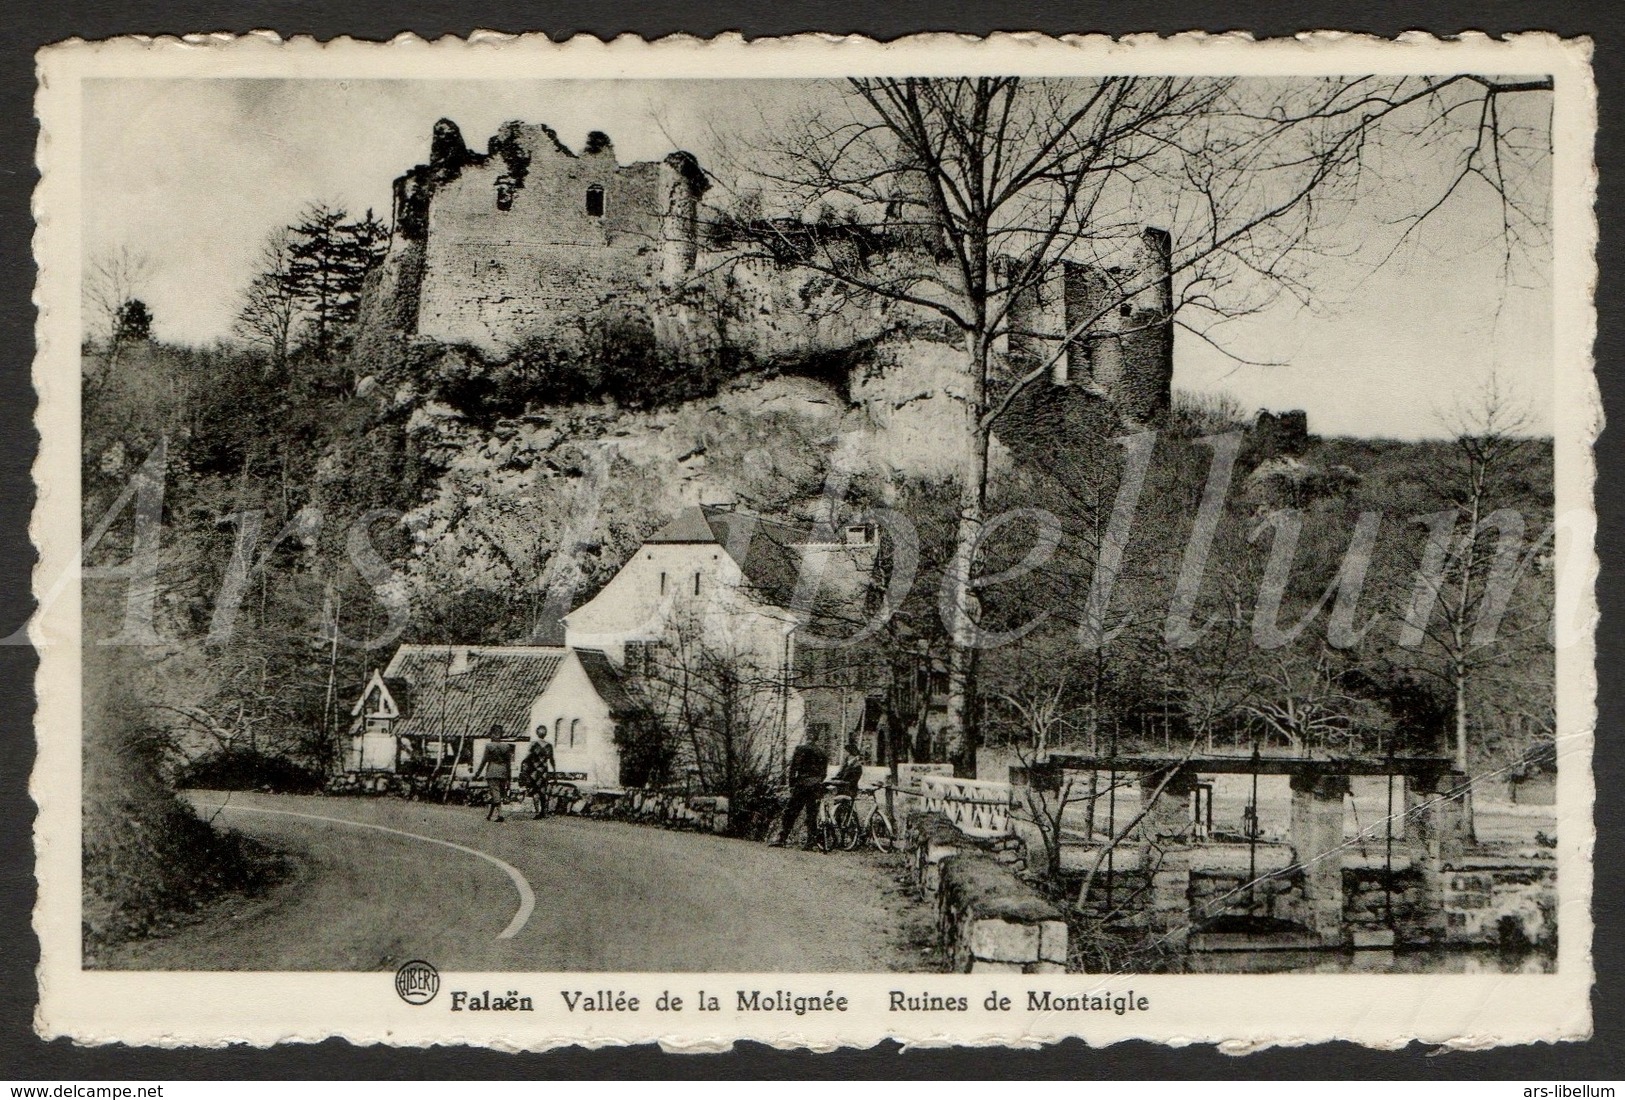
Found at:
(446, 498)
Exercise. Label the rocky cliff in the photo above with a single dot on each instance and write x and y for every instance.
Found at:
(553, 501)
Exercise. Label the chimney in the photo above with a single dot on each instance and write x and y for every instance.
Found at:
(459, 661)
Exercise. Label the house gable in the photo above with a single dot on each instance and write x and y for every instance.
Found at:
(378, 698)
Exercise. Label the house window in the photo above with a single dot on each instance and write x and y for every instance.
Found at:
(662, 584)
(696, 584)
(595, 201)
(558, 727)
(574, 724)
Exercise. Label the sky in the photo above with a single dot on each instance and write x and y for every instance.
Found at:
(194, 174)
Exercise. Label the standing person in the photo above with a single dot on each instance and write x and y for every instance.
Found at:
(808, 765)
(536, 771)
(497, 767)
(851, 770)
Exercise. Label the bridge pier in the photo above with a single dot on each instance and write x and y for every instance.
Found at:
(1436, 832)
(1317, 845)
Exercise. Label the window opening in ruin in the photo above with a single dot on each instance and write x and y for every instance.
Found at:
(1126, 310)
(595, 201)
(505, 189)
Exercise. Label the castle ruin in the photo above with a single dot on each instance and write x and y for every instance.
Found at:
(529, 237)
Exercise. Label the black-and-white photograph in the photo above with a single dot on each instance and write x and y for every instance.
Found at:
(921, 525)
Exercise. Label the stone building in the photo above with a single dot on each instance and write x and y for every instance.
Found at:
(529, 237)
(1128, 354)
(432, 709)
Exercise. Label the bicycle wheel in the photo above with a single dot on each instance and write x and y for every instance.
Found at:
(850, 827)
(826, 836)
(880, 832)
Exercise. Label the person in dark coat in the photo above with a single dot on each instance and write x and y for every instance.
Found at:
(851, 770)
(497, 767)
(808, 766)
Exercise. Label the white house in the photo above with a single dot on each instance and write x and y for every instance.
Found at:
(435, 706)
(738, 582)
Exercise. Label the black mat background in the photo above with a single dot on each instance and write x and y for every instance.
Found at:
(24, 28)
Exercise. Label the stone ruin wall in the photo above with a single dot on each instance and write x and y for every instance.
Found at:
(1128, 358)
(493, 247)
(1436, 893)
(492, 274)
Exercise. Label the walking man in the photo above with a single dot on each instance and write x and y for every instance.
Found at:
(536, 771)
(497, 767)
(808, 765)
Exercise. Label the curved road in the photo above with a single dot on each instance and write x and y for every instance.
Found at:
(379, 881)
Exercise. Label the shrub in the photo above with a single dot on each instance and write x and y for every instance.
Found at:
(647, 751)
(1193, 414)
(148, 858)
(238, 769)
(613, 355)
(754, 809)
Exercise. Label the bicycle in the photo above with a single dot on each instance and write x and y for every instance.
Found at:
(882, 833)
(838, 825)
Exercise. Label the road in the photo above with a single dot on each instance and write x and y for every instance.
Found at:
(380, 881)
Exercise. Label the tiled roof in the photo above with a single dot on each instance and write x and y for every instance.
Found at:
(605, 680)
(495, 684)
(689, 526)
(764, 549)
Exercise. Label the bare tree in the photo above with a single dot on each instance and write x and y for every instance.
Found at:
(1000, 181)
(722, 710)
(1299, 697)
(270, 313)
(112, 280)
(1457, 617)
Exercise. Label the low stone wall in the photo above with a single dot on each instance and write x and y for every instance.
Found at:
(988, 920)
(704, 813)
(1473, 903)
(1499, 905)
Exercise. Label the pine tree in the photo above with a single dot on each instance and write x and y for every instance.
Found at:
(329, 258)
(134, 322)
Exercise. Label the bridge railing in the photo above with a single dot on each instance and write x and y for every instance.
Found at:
(977, 807)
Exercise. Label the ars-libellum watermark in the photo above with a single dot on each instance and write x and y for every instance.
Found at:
(1467, 564)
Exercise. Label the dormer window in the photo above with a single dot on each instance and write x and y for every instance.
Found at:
(595, 201)
(505, 190)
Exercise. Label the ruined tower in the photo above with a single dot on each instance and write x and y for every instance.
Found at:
(1127, 354)
(682, 184)
(530, 236)
(1130, 351)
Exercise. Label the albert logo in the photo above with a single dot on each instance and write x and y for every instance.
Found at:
(417, 982)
